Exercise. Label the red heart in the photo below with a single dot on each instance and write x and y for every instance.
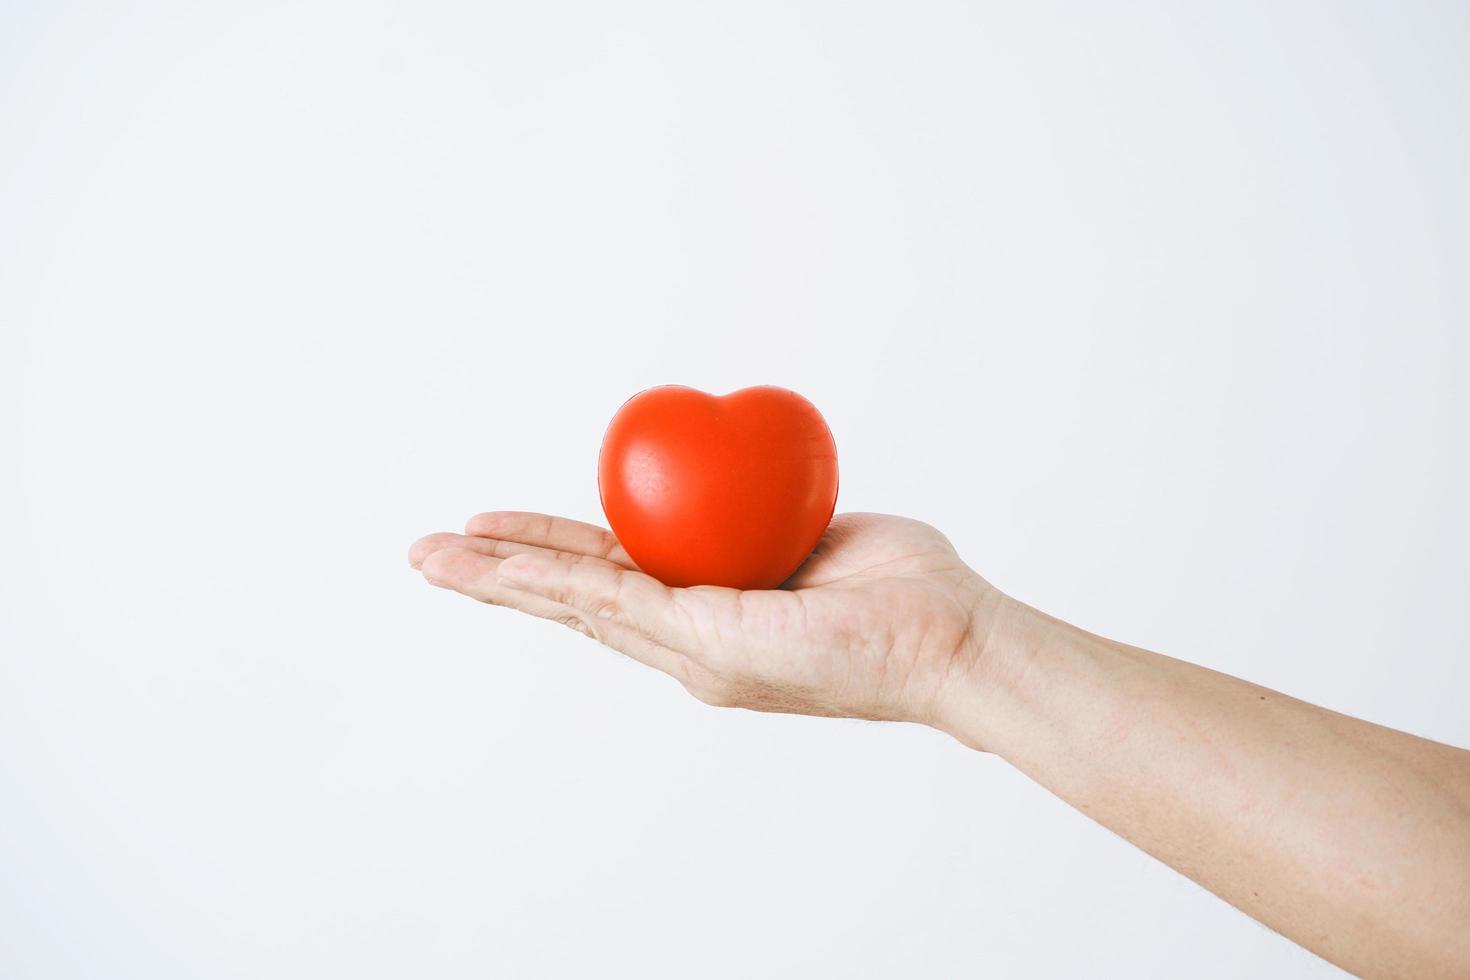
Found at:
(730, 490)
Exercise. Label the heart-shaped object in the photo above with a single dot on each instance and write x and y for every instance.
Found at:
(730, 490)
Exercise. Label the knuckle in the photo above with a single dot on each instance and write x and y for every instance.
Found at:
(573, 621)
(603, 608)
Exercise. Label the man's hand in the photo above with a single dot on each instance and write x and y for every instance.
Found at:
(1352, 839)
(878, 622)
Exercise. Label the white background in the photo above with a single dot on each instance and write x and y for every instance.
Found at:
(1160, 312)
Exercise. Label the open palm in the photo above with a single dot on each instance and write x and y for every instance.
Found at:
(872, 625)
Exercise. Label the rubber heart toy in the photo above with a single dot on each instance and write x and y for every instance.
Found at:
(731, 490)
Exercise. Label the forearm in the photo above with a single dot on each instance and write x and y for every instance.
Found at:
(1349, 838)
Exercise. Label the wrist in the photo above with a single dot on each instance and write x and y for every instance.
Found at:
(979, 701)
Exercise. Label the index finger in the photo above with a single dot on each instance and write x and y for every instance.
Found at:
(548, 531)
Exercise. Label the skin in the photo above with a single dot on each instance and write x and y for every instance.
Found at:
(1350, 839)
